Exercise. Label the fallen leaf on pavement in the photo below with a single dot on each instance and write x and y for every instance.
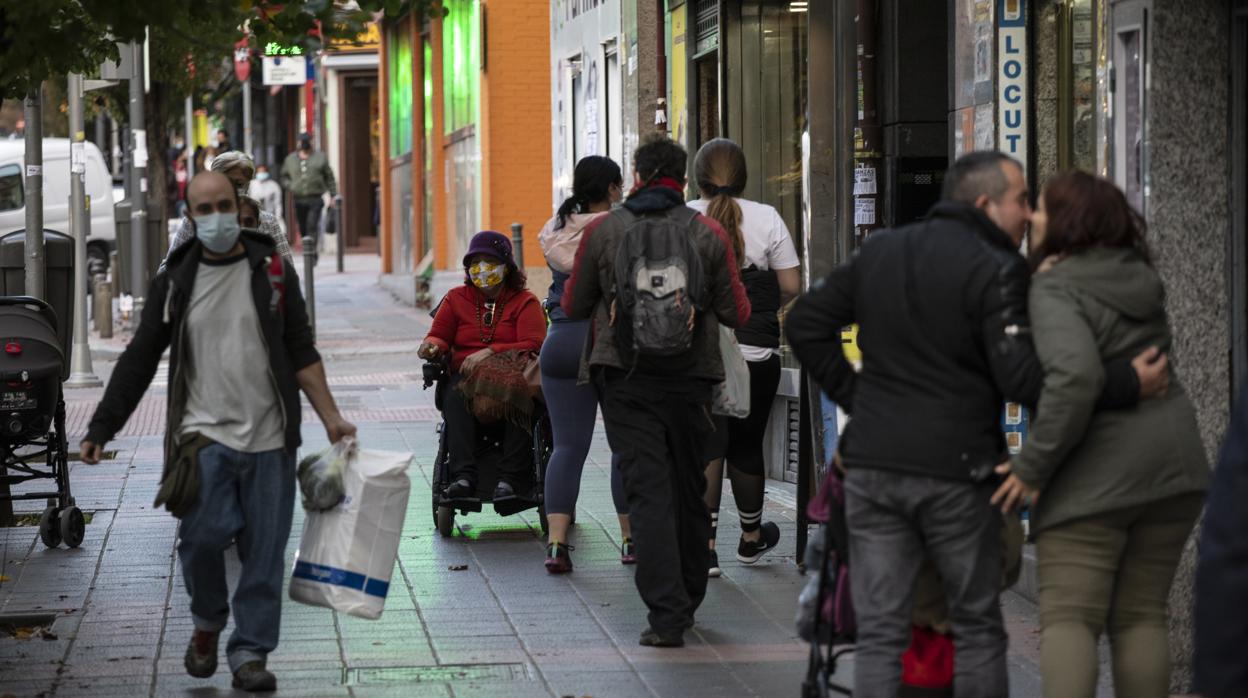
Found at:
(457, 568)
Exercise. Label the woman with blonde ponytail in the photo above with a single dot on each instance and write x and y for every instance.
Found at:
(769, 270)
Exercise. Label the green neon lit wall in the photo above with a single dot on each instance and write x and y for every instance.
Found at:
(399, 59)
(461, 63)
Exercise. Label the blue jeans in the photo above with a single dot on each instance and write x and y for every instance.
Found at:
(895, 522)
(248, 497)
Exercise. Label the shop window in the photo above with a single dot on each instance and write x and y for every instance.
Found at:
(1129, 102)
(765, 48)
(399, 68)
(1081, 128)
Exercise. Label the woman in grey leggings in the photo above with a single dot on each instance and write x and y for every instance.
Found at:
(597, 183)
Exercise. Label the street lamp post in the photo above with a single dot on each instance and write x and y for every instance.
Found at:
(35, 261)
(138, 186)
(81, 375)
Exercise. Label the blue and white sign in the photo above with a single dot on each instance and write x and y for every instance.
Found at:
(1012, 107)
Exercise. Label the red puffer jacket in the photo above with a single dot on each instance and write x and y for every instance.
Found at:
(521, 326)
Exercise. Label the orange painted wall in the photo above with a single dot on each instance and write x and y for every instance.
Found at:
(515, 116)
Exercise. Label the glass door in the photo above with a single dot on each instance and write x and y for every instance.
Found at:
(1129, 102)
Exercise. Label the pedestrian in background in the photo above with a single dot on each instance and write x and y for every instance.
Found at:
(1221, 617)
(1121, 488)
(769, 270)
(657, 382)
(239, 168)
(269, 193)
(942, 311)
(306, 174)
(596, 184)
(238, 358)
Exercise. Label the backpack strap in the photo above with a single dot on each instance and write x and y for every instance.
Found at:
(686, 214)
(277, 281)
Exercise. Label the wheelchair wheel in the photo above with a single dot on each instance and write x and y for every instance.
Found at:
(439, 478)
(446, 521)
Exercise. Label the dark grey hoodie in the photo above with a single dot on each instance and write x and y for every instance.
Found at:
(1097, 306)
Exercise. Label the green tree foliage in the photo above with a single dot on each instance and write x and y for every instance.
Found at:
(42, 38)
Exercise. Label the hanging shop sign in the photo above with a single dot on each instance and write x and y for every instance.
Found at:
(1012, 107)
(285, 70)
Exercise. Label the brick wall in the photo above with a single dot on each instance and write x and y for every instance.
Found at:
(516, 121)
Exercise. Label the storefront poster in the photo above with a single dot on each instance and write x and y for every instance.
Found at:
(1012, 104)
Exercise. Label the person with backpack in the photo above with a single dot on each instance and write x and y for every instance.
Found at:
(596, 184)
(658, 278)
(229, 310)
(764, 248)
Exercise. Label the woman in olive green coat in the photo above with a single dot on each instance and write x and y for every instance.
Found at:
(1121, 488)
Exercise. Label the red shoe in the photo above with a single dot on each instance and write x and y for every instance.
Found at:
(628, 552)
(557, 559)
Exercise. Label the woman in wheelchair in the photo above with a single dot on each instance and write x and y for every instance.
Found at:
(489, 329)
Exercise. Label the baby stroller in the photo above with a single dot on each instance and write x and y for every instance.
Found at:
(488, 457)
(825, 615)
(33, 443)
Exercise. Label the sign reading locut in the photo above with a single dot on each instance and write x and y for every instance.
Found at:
(1012, 130)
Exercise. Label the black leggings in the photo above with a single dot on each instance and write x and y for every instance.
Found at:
(740, 443)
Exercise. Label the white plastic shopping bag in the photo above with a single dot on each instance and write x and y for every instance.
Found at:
(347, 553)
(732, 397)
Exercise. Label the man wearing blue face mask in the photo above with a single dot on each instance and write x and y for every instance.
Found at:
(230, 308)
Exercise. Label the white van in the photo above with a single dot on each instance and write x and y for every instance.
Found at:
(100, 240)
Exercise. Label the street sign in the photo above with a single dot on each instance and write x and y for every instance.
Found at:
(242, 60)
(1012, 106)
(285, 70)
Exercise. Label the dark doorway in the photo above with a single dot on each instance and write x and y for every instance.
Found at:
(706, 73)
(359, 176)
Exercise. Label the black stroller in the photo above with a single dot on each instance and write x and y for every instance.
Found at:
(488, 455)
(33, 443)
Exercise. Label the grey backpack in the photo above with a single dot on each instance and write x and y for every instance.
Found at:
(658, 283)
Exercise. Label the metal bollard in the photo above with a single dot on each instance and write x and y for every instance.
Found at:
(342, 232)
(103, 308)
(309, 270)
(517, 243)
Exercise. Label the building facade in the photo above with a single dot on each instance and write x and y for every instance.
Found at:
(465, 137)
(351, 108)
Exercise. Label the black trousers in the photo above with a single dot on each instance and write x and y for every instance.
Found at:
(463, 440)
(308, 213)
(658, 428)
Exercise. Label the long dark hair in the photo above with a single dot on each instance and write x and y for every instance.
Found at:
(720, 171)
(591, 183)
(1083, 212)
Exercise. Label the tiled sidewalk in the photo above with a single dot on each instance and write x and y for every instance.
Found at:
(500, 627)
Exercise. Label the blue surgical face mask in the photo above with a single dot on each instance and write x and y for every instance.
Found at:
(218, 232)
(262, 176)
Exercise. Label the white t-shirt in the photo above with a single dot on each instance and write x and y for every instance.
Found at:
(768, 245)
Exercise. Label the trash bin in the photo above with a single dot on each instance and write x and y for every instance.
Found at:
(157, 245)
(58, 278)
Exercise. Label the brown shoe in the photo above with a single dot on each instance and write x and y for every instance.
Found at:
(254, 678)
(201, 654)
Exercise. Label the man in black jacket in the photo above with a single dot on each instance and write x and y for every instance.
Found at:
(230, 308)
(942, 311)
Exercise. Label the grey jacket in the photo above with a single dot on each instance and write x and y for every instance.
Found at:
(1099, 305)
(590, 291)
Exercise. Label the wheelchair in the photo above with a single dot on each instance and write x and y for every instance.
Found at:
(436, 374)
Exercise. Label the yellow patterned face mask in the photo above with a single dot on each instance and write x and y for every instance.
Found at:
(486, 275)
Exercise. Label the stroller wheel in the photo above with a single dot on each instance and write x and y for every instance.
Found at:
(50, 527)
(541, 517)
(73, 526)
(446, 521)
